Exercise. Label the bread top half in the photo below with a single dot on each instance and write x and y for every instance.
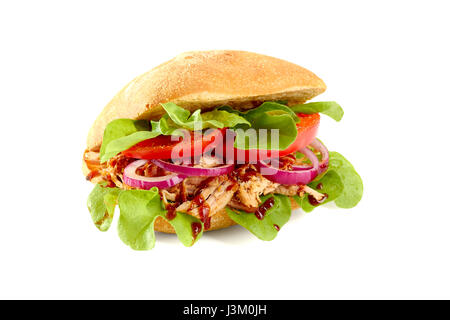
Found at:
(205, 79)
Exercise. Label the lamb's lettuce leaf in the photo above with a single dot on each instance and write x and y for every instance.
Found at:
(269, 116)
(353, 185)
(126, 142)
(275, 218)
(226, 119)
(182, 223)
(330, 183)
(179, 116)
(281, 124)
(138, 212)
(117, 129)
(341, 183)
(330, 108)
(197, 121)
(115, 146)
(122, 134)
(266, 107)
(101, 204)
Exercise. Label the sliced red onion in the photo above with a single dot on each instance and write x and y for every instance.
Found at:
(311, 156)
(131, 178)
(302, 167)
(191, 171)
(285, 176)
(299, 174)
(323, 165)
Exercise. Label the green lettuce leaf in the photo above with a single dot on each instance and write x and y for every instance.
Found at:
(341, 183)
(298, 199)
(287, 133)
(182, 223)
(101, 204)
(178, 115)
(138, 211)
(227, 119)
(352, 182)
(269, 115)
(117, 129)
(122, 134)
(197, 121)
(265, 229)
(270, 108)
(126, 142)
(330, 108)
(331, 184)
(182, 118)
(266, 107)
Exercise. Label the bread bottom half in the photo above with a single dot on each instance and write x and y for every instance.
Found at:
(220, 220)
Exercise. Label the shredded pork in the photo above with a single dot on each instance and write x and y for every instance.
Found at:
(203, 197)
(215, 195)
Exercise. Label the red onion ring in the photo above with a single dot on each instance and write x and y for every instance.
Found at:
(285, 176)
(191, 171)
(323, 165)
(299, 176)
(301, 167)
(311, 156)
(131, 178)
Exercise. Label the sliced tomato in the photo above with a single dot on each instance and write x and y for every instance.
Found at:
(166, 147)
(306, 132)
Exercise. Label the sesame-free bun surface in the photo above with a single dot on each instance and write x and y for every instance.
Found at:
(219, 220)
(204, 79)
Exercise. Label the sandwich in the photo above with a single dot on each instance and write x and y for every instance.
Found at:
(211, 139)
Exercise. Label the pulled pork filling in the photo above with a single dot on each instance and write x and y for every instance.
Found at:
(198, 196)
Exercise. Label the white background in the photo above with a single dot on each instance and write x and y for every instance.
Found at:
(386, 63)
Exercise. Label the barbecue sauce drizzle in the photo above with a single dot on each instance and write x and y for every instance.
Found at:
(171, 212)
(203, 207)
(314, 202)
(203, 210)
(261, 212)
(196, 229)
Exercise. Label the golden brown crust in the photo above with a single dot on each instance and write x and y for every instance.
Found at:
(220, 220)
(204, 79)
